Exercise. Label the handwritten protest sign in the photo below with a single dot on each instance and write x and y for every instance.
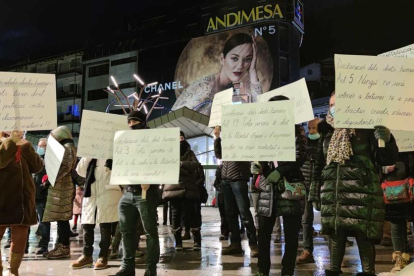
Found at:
(259, 131)
(27, 101)
(407, 52)
(298, 92)
(222, 98)
(97, 132)
(374, 91)
(53, 159)
(150, 156)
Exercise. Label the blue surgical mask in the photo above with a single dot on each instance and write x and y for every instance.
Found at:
(332, 111)
(314, 136)
(41, 151)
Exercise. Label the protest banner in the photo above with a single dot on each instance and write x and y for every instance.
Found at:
(27, 101)
(298, 92)
(150, 156)
(97, 132)
(222, 98)
(259, 132)
(53, 159)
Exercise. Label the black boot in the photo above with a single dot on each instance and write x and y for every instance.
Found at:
(178, 239)
(197, 238)
(332, 273)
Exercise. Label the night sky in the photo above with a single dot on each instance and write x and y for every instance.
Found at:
(30, 30)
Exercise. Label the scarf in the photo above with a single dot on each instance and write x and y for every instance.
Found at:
(90, 178)
(340, 148)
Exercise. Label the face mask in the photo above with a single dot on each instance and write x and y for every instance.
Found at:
(41, 151)
(314, 136)
(332, 111)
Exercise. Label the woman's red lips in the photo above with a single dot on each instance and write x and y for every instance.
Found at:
(238, 74)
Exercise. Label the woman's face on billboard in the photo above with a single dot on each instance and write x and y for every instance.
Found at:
(237, 61)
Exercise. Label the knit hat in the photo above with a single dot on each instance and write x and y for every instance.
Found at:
(182, 134)
(61, 133)
(137, 116)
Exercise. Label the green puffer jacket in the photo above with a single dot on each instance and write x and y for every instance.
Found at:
(350, 194)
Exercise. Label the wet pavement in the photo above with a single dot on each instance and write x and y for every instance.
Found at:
(207, 262)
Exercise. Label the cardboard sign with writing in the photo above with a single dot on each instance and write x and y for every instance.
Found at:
(53, 158)
(298, 92)
(97, 132)
(373, 91)
(407, 52)
(259, 132)
(150, 156)
(222, 98)
(27, 101)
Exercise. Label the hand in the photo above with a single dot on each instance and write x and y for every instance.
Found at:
(316, 205)
(252, 69)
(274, 176)
(255, 168)
(145, 187)
(388, 169)
(383, 133)
(217, 131)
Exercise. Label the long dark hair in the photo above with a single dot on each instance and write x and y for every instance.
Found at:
(236, 40)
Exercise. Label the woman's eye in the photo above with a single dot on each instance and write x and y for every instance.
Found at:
(235, 59)
(248, 60)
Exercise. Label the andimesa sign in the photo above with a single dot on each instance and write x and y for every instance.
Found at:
(269, 12)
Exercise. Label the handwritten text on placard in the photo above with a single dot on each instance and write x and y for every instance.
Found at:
(259, 132)
(97, 133)
(150, 156)
(27, 101)
(53, 159)
(222, 98)
(374, 91)
(298, 92)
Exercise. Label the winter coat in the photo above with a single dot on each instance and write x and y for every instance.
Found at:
(77, 203)
(398, 213)
(307, 168)
(232, 171)
(271, 193)
(41, 190)
(189, 181)
(59, 204)
(104, 198)
(350, 194)
(17, 188)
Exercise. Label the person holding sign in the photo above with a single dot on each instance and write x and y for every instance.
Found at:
(59, 204)
(235, 176)
(282, 193)
(346, 187)
(18, 161)
(131, 204)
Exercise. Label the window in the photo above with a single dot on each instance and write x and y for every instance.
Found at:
(51, 67)
(123, 61)
(97, 94)
(99, 70)
(75, 62)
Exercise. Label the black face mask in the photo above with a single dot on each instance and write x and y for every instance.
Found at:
(141, 125)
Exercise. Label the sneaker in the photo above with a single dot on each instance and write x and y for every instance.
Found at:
(59, 252)
(305, 258)
(150, 272)
(386, 241)
(233, 249)
(223, 237)
(82, 262)
(101, 263)
(42, 251)
(254, 251)
(124, 272)
(114, 254)
(401, 261)
(186, 236)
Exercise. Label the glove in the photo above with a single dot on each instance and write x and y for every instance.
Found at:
(316, 205)
(255, 168)
(274, 176)
(383, 133)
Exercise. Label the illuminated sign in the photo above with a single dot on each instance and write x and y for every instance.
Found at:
(298, 18)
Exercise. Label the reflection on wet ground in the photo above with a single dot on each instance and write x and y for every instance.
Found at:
(208, 261)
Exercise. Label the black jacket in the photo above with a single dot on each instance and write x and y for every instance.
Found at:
(232, 171)
(350, 194)
(41, 191)
(307, 168)
(271, 192)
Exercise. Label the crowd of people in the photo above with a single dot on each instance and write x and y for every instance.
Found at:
(337, 171)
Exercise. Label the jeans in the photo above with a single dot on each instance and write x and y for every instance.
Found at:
(130, 206)
(177, 207)
(236, 197)
(64, 232)
(399, 236)
(19, 235)
(88, 238)
(291, 229)
(224, 227)
(337, 243)
(307, 223)
(43, 226)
